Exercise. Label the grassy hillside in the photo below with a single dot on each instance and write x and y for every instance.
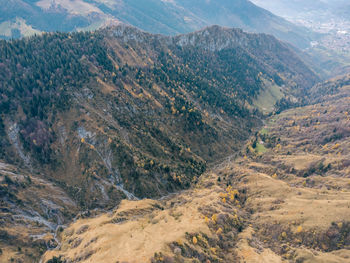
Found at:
(288, 203)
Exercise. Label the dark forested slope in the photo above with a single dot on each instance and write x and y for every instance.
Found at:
(142, 106)
(118, 113)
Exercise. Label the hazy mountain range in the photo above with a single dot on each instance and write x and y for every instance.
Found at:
(26, 17)
(331, 51)
(316, 10)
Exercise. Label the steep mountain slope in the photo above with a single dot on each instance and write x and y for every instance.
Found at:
(315, 10)
(120, 113)
(21, 17)
(31, 209)
(331, 51)
(128, 79)
(24, 17)
(244, 14)
(285, 198)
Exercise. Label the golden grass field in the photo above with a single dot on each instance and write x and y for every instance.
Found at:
(288, 204)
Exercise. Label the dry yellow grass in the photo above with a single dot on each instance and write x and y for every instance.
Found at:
(308, 206)
(299, 162)
(147, 229)
(249, 254)
(288, 200)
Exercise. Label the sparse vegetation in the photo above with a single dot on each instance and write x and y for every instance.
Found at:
(56, 260)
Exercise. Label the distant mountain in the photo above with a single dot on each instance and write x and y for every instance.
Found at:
(330, 53)
(244, 14)
(292, 8)
(313, 10)
(24, 17)
(97, 117)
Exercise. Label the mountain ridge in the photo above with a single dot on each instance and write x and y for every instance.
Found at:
(104, 117)
(166, 17)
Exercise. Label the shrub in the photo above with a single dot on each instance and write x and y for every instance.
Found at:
(55, 260)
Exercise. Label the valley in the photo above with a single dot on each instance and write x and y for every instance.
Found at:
(328, 18)
(284, 198)
(215, 145)
(91, 119)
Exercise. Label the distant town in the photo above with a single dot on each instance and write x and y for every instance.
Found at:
(337, 32)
